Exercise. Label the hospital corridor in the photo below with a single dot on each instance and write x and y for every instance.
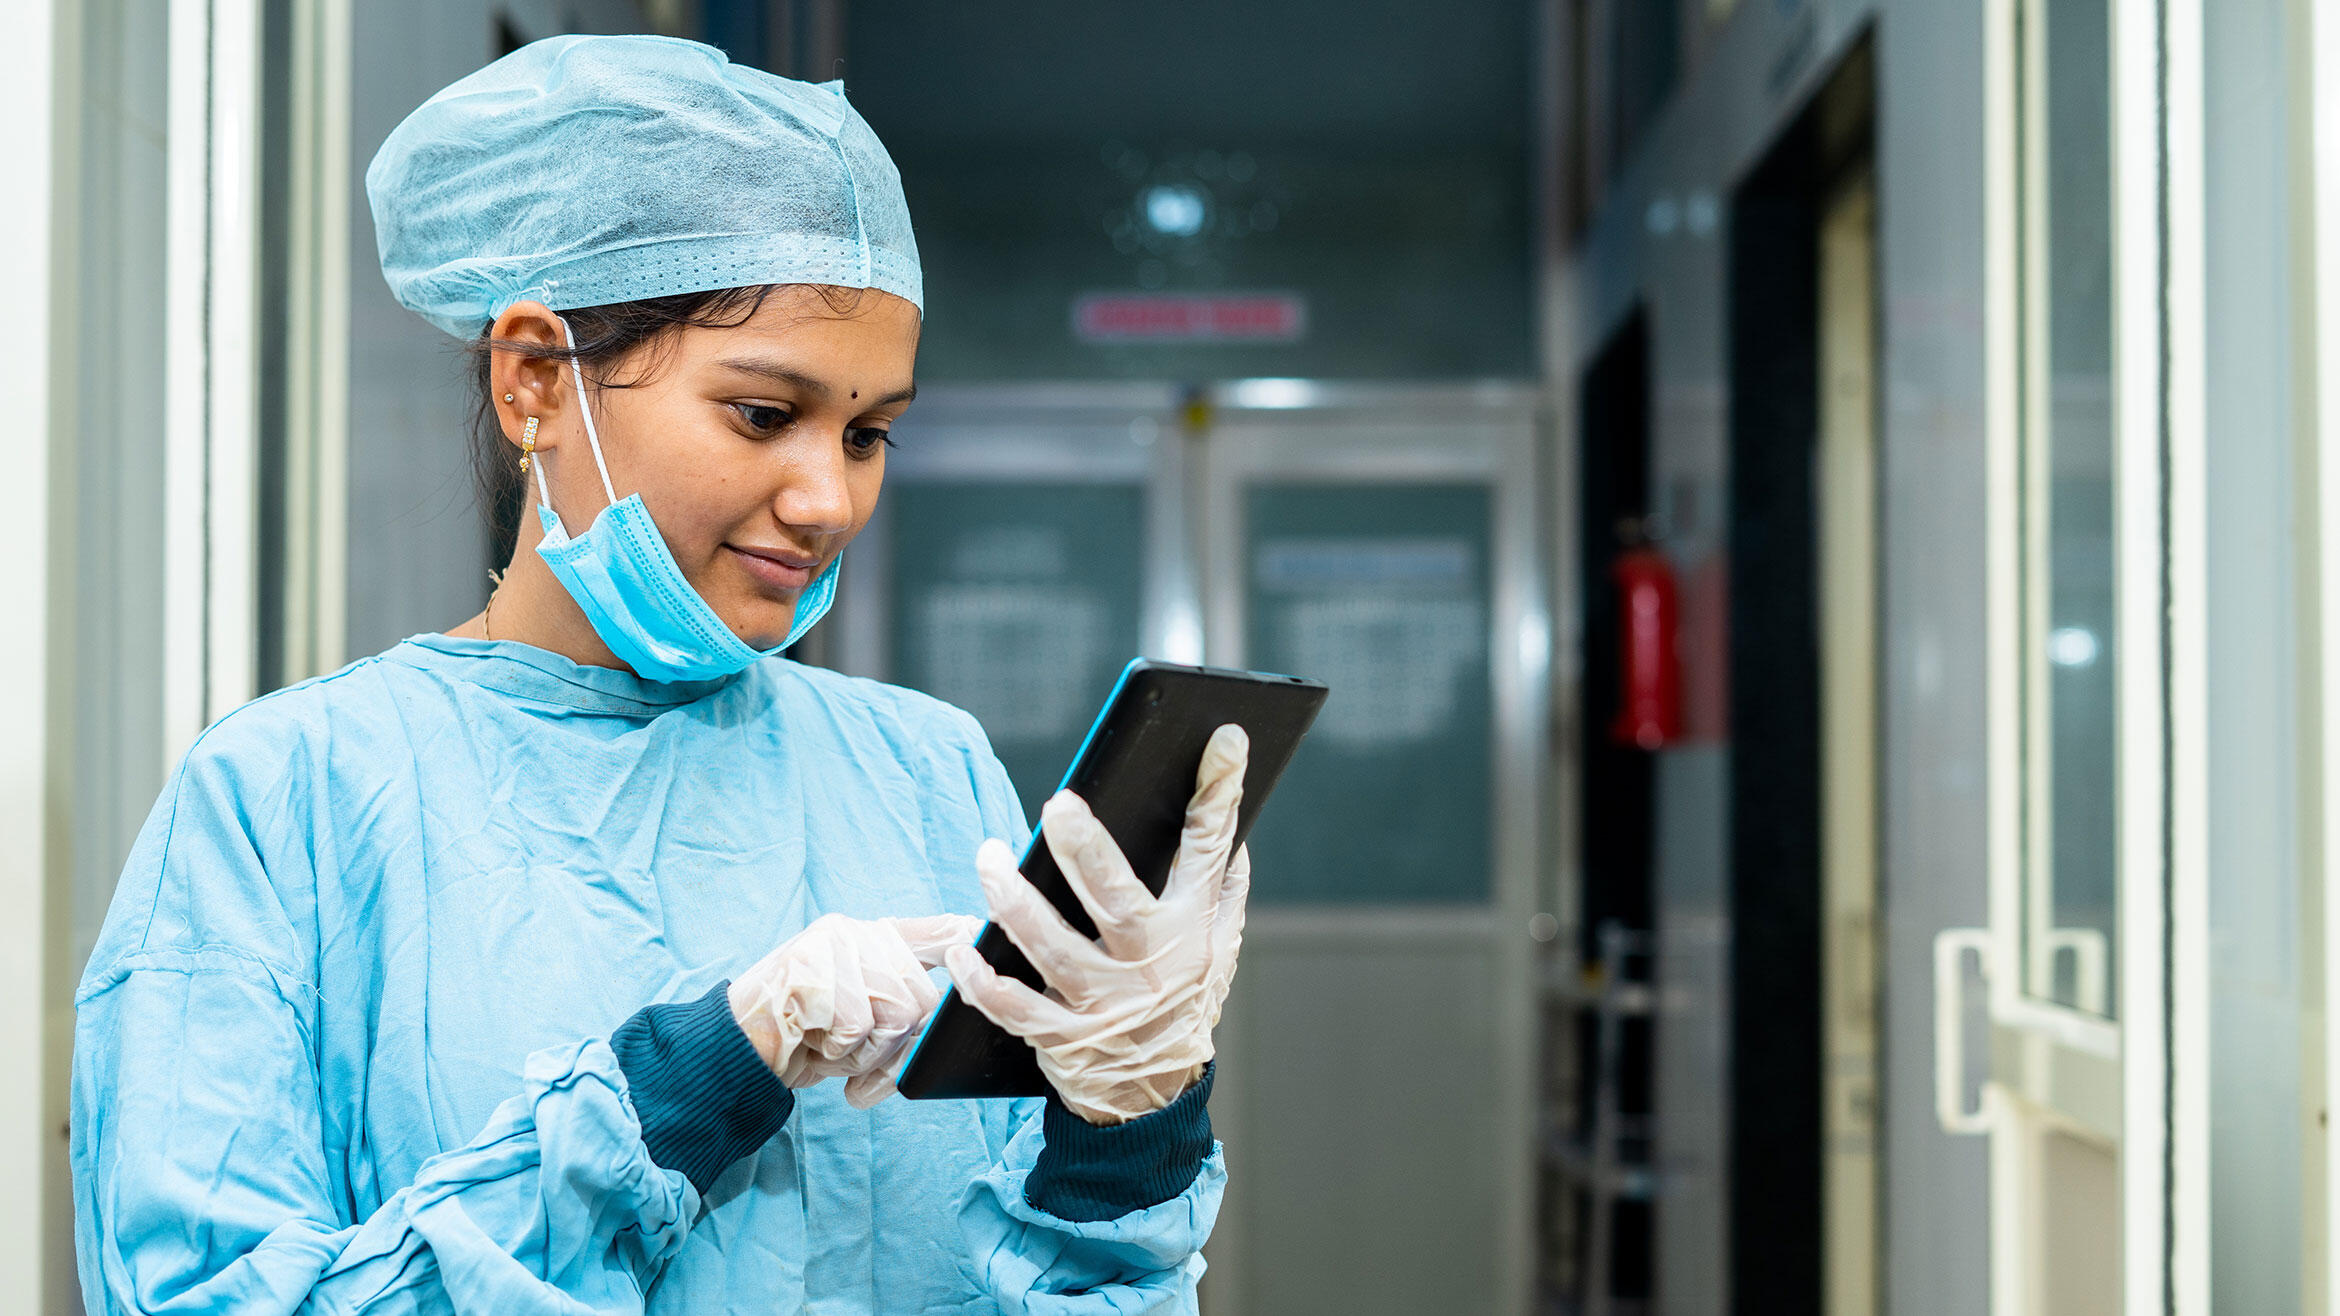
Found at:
(1816, 522)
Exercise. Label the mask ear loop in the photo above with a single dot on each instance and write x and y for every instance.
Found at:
(592, 437)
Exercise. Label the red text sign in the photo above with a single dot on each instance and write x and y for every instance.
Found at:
(1261, 317)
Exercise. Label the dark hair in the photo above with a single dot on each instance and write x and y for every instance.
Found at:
(607, 337)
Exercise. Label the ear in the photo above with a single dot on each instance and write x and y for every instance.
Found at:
(534, 385)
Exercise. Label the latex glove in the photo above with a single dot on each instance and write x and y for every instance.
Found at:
(1126, 1023)
(845, 997)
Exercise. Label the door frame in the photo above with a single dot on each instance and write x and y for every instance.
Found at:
(1848, 538)
(2139, 1085)
(2320, 24)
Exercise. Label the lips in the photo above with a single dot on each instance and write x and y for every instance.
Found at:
(777, 570)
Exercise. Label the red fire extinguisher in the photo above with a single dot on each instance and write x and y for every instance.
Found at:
(1649, 711)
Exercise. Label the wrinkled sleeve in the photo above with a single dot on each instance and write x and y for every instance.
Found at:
(202, 1176)
(1076, 1221)
(1137, 1201)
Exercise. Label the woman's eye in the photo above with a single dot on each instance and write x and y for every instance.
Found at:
(867, 439)
(761, 419)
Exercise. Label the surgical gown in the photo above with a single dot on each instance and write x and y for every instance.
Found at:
(344, 1044)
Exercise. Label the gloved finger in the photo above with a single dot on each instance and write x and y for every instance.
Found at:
(845, 993)
(1070, 961)
(1209, 834)
(900, 994)
(882, 1048)
(924, 995)
(894, 1013)
(877, 1082)
(900, 1012)
(1008, 1003)
(896, 989)
(802, 997)
(929, 936)
(1227, 933)
(868, 1088)
(1227, 915)
(1098, 873)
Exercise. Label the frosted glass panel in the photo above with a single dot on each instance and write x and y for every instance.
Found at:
(2069, 934)
(1020, 604)
(1381, 592)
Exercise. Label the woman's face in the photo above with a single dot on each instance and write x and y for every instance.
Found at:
(758, 449)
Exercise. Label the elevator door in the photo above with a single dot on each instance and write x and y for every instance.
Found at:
(1016, 562)
(1376, 1050)
(1373, 1088)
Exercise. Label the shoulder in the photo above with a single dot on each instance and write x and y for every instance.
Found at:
(225, 864)
(279, 729)
(263, 774)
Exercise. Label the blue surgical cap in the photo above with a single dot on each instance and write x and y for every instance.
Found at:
(580, 171)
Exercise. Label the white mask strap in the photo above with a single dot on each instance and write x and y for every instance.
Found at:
(585, 406)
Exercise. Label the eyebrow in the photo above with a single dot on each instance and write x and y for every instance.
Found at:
(773, 370)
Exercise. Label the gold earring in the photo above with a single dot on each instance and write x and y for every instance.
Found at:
(527, 444)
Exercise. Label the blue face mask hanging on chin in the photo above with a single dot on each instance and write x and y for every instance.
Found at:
(626, 581)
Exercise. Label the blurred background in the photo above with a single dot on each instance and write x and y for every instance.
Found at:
(1821, 518)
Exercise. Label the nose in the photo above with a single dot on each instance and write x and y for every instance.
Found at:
(815, 497)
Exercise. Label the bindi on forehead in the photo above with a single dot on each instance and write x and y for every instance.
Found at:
(783, 373)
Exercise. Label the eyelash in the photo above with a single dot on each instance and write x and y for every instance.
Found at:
(859, 438)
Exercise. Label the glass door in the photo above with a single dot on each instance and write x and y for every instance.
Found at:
(1377, 1089)
(2093, 958)
(1026, 547)
(1378, 1084)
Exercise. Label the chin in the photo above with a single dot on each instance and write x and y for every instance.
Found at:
(765, 630)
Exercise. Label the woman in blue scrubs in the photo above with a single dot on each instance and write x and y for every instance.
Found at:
(506, 971)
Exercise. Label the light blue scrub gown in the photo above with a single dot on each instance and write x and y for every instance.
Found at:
(343, 1044)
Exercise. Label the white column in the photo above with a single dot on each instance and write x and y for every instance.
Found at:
(211, 371)
(2321, 24)
(32, 88)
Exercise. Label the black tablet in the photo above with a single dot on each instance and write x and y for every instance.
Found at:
(1136, 771)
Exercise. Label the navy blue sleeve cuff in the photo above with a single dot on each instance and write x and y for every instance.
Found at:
(705, 1098)
(1090, 1173)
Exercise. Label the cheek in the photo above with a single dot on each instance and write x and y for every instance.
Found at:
(699, 496)
(867, 482)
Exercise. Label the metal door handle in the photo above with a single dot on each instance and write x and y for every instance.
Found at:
(1950, 1030)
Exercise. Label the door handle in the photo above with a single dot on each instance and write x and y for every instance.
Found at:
(2087, 948)
(1950, 946)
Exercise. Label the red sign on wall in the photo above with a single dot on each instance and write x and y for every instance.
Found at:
(1170, 317)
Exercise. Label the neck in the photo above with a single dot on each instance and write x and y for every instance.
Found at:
(530, 606)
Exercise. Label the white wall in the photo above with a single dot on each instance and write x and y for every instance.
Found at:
(2257, 1148)
(35, 82)
(105, 743)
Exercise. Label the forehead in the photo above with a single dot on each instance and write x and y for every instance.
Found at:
(856, 340)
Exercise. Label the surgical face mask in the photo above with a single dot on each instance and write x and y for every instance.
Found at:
(626, 581)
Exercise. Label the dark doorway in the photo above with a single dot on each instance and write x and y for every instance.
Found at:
(1617, 803)
(1613, 485)
(1776, 1096)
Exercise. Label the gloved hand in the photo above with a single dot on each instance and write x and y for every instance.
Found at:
(1126, 1024)
(844, 998)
